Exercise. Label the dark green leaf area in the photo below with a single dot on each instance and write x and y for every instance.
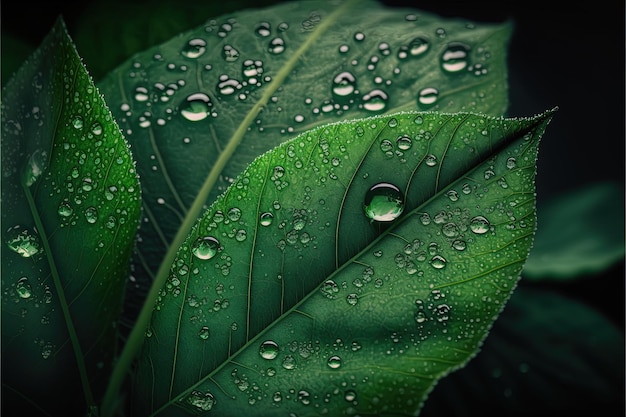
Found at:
(325, 307)
(263, 76)
(71, 206)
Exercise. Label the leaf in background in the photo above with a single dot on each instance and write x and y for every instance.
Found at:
(71, 205)
(262, 76)
(547, 354)
(582, 232)
(347, 270)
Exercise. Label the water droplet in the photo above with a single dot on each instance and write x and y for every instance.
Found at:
(427, 97)
(418, 47)
(344, 85)
(229, 53)
(438, 262)
(196, 107)
(276, 46)
(23, 288)
(65, 210)
(241, 235)
(91, 214)
(234, 214)
(77, 122)
(35, 167)
(383, 202)
(23, 242)
(511, 163)
(479, 225)
(350, 395)
(454, 58)
(263, 29)
(431, 160)
(359, 36)
(204, 333)
(96, 128)
(334, 362)
(194, 48)
(459, 244)
(205, 247)
(304, 397)
(404, 143)
(352, 299)
(202, 401)
(330, 288)
(375, 100)
(268, 350)
(266, 218)
(289, 362)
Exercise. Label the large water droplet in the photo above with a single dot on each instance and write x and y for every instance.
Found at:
(194, 48)
(384, 202)
(479, 225)
(196, 107)
(334, 362)
(91, 214)
(404, 143)
(205, 247)
(268, 350)
(23, 242)
(266, 218)
(202, 401)
(455, 57)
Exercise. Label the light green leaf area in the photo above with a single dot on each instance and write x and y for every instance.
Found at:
(70, 212)
(347, 270)
(252, 80)
(582, 232)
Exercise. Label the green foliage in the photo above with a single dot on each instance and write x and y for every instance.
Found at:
(335, 211)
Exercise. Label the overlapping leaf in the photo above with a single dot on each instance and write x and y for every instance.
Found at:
(259, 77)
(287, 297)
(70, 211)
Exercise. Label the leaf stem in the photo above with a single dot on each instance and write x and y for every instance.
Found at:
(78, 353)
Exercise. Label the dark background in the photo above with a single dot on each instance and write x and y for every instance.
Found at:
(561, 54)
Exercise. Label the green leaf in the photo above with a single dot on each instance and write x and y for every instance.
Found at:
(258, 98)
(70, 212)
(582, 232)
(547, 354)
(326, 309)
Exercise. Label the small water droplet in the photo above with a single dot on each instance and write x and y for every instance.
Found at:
(194, 48)
(204, 332)
(77, 122)
(344, 85)
(479, 225)
(431, 160)
(91, 214)
(511, 163)
(352, 299)
(65, 210)
(277, 46)
(263, 29)
(334, 362)
(383, 202)
(459, 244)
(438, 262)
(35, 167)
(234, 214)
(359, 36)
(229, 53)
(350, 395)
(427, 97)
(418, 47)
(268, 350)
(202, 401)
(23, 288)
(205, 247)
(196, 107)
(455, 57)
(375, 100)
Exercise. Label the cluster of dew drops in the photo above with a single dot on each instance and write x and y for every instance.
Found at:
(343, 86)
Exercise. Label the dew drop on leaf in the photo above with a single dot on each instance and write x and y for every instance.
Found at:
(427, 97)
(196, 107)
(344, 85)
(205, 247)
(35, 167)
(375, 100)
(384, 202)
(23, 242)
(194, 48)
(200, 400)
(455, 57)
(91, 214)
(276, 46)
(438, 262)
(234, 214)
(23, 288)
(479, 225)
(266, 218)
(263, 29)
(204, 332)
(65, 210)
(404, 143)
(268, 350)
(334, 362)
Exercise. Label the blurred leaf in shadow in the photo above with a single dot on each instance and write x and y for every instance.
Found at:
(579, 232)
(546, 355)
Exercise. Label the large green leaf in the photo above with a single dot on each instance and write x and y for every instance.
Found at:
(347, 270)
(259, 95)
(70, 211)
